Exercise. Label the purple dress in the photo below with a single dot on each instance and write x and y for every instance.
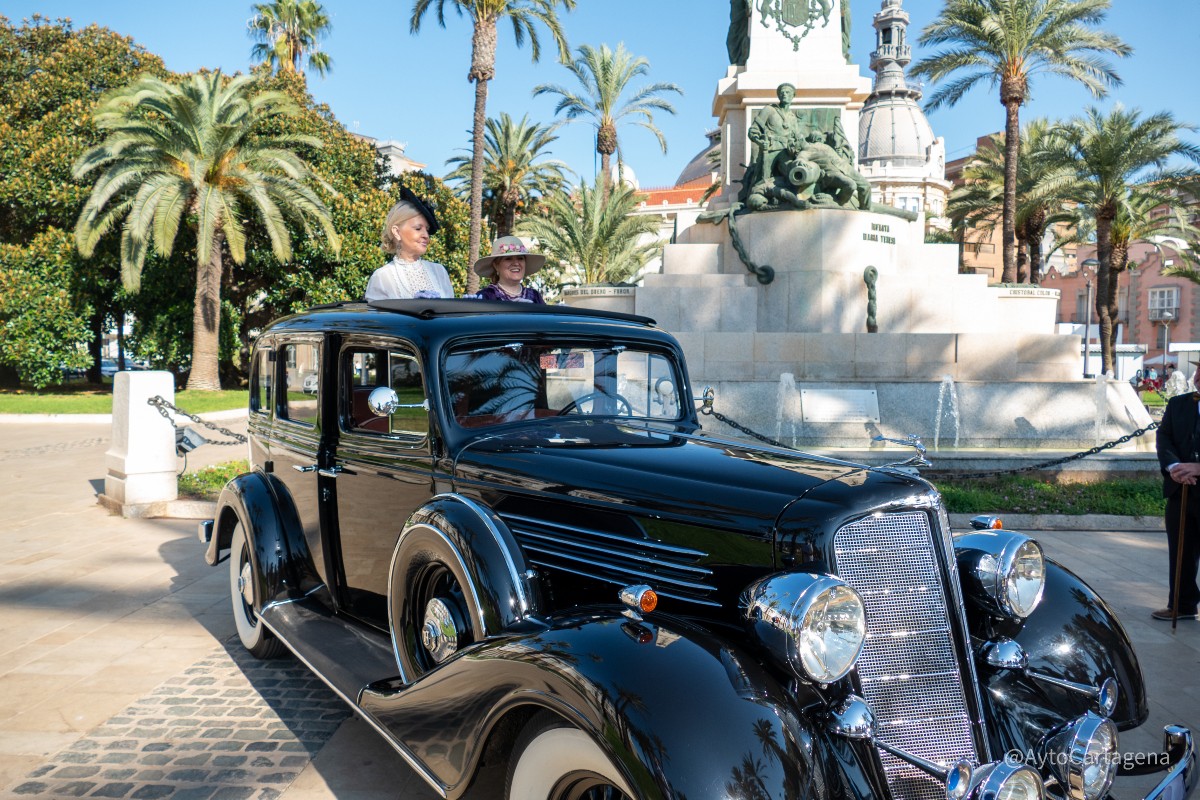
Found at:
(527, 295)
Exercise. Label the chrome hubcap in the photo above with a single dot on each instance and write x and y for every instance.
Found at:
(439, 634)
(245, 587)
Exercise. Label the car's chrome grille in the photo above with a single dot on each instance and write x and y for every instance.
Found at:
(614, 558)
(908, 669)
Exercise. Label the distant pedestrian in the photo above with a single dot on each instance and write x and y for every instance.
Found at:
(1178, 445)
(507, 267)
(406, 232)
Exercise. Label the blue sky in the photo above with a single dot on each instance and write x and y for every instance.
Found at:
(389, 84)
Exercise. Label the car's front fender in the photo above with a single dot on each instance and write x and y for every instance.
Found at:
(678, 710)
(1071, 636)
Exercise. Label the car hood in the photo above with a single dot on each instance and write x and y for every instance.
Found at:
(651, 469)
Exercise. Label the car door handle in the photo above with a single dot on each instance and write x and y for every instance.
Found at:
(330, 472)
(309, 468)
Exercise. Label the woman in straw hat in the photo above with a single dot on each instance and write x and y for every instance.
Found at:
(507, 266)
(406, 232)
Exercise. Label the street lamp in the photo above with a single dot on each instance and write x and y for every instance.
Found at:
(1087, 330)
(1087, 326)
(1166, 319)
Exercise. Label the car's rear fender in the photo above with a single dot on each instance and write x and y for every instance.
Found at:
(263, 505)
(677, 709)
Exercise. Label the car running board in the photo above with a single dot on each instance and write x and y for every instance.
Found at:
(344, 654)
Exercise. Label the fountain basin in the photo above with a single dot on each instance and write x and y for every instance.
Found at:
(1024, 416)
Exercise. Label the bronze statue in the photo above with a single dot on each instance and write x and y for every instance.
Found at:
(846, 30)
(737, 42)
(801, 159)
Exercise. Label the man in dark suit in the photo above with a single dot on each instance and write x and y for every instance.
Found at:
(1178, 444)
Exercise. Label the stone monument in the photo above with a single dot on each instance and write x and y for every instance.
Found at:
(824, 319)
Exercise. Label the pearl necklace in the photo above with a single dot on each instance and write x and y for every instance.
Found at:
(509, 294)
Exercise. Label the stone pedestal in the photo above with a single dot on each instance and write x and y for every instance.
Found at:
(953, 360)
(141, 461)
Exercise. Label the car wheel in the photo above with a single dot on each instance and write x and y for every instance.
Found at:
(433, 610)
(254, 635)
(554, 761)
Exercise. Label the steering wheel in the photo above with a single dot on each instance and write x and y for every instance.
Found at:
(624, 407)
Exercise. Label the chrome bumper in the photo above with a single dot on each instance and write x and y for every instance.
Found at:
(1180, 780)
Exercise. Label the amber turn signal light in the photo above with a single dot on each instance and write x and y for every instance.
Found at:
(639, 599)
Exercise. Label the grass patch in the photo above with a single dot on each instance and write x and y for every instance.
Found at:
(1011, 494)
(206, 483)
(1014, 494)
(92, 399)
(1152, 399)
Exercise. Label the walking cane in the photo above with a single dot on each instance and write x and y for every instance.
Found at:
(1179, 557)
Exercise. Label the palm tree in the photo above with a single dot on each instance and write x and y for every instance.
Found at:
(1007, 42)
(1043, 190)
(1120, 156)
(188, 152)
(593, 238)
(485, 14)
(604, 76)
(287, 31)
(1146, 216)
(514, 169)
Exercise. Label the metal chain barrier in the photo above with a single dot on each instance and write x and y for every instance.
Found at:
(973, 475)
(165, 407)
(737, 426)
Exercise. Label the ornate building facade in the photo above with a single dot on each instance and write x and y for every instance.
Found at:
(897, 150)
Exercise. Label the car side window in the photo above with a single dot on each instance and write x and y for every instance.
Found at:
(261, 380)
(365, 369)
(302, 368)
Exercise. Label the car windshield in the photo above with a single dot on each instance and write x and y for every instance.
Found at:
(501, 382)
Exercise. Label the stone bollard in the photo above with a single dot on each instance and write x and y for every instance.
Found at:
(141, 462)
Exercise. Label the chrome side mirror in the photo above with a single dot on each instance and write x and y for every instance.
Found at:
(706, 398)
(383, 401)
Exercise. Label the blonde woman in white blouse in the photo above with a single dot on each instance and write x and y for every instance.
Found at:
(405, 235)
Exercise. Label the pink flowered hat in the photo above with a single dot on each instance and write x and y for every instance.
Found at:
(509, 246)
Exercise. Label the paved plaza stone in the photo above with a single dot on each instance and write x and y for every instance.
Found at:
(229, 726)
(121, 675)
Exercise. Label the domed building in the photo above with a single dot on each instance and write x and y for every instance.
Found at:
(897, 150)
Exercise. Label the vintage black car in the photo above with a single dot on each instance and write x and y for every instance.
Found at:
(498, 531)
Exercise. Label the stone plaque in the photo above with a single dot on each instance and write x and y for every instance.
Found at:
(596, 291)
(1027, 291)
(839, 405)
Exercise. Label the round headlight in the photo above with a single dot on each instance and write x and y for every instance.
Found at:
(1084, 756)
(816, 623)
(1007, 781)
(1005, 572)
(1025, 578)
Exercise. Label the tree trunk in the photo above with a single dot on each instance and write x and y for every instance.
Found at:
(1037, 261)
(206, 320)
(483, 69)
(1012, 144)
(507, 221)
(1119, 260)
(606, 145)
(1104, 287)
(121, 339)
(96, 325)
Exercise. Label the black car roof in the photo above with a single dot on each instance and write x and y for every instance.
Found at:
(434, 320)
(426, 309)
